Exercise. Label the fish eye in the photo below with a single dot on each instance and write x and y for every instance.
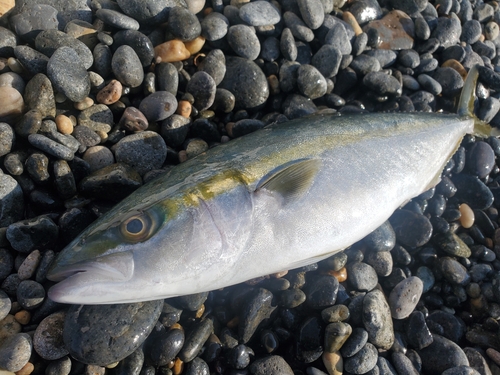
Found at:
(137, 228)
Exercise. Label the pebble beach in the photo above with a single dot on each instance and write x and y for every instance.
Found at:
(99, 97)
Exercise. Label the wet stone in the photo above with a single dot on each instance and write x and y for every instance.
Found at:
(143, 151)
(48, 338)
(36, 233)
(381, 239)
(453, 328)
(215, 65)
(30, 294)
(291, 298)
(116, 19)
(452, 244)
(15, 352)
(480, 158)
(363, 361)
(214, 26)
(254, 311)
(11, 200)
(296, 106)
(113, 182)
(202, 86)
(321, 291)
(488, 109)
(272, 365)
(158, 106)
(381, 261)
(411, 229)
(239, 356)
(132, 364)
(183, 24)
(97, 117)
(382, 83)
(198, 367)
(310, 82)
(108, 333)
(453, 271)
(377, 319)
(245, 126)
(441, 355)
(195, 339)
(127, 66)
(165, 346)
(417, 332)
(362, 277)
(244, 41)
(246, 81)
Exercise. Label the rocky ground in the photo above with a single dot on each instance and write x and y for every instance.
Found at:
(99, 97)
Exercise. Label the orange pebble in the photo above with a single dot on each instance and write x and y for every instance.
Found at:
(110, 93)
(351, 20)
(23, 317)
(184, 108)
(195, 45)
(27, 369)
(200, 311)
(178, 366)
(340, 275)
(64, 124)
(171, 51)
(467, 215)
(455, 64)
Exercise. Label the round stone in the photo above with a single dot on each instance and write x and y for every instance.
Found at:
(48, 339)
(183, 24)
(15, 352)
(244, 41)
(214, 26)
(127, 66)
(98, 157)
(311, 82)
(158, 106)
(405, 296)
(246, 81)
(377, 319)
(68, 74)
(202, 86)
(259, 13)
(12, 104)
(104, 334)
(143, 151)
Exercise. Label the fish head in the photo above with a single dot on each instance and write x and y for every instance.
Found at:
(100, 265)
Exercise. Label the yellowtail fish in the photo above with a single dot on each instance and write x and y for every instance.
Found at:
(283, 197)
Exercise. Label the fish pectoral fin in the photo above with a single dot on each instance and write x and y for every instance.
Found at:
(291, 180)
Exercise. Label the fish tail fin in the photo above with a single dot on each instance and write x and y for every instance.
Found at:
(466, 106)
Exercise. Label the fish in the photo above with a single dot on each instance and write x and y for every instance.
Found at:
(283, 197)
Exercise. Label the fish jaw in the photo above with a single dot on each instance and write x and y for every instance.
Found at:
(95, 281)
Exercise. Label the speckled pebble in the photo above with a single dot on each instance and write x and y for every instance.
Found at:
(98, 157)
(143, 151)
(321, 292)
(362, 277)
(195, 339)
(183, 24)
(312, 12)
(202, 86)
(259, 13)
(453, 271)
(48, 338)
(356, 341)
(405, 296)
(133, 120)
(244, 41)
(441, 355)
(411, 228)
(272, 365)
(15, 352)
(97, 117)
(381, 261)
(298, 27)
(214, 26)
(27, 269)
(50, 147)
(382, 83)
(377, 319)
(127, 66)
(5, 305)
(363, 361)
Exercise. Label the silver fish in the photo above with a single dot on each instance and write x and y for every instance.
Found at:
(277, 199)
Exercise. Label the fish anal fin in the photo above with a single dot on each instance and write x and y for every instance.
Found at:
(291, 180)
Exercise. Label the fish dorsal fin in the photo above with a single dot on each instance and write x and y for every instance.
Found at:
(291, 180)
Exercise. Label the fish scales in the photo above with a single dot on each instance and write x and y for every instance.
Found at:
(282, 197)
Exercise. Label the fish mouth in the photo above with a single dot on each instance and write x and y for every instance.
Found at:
(84, 279)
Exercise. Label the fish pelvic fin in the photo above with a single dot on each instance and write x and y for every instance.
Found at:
(291, 180)
(466, 106)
